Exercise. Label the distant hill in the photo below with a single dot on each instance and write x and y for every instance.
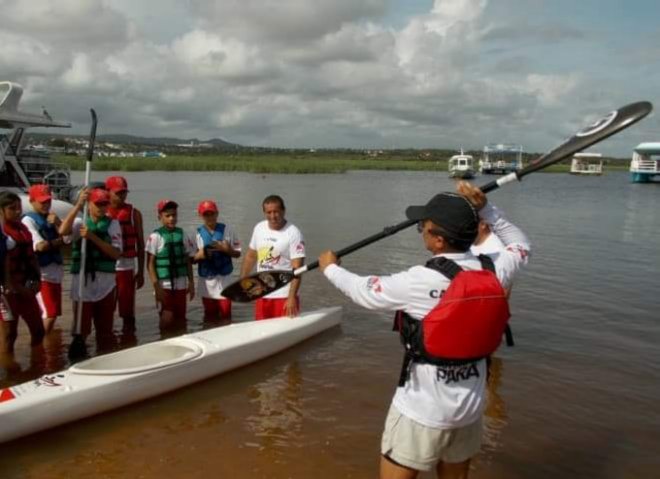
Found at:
(123, 139)
(141, 140)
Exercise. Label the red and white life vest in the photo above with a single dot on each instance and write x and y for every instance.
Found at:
(125, 214)
(466, 325)
(20, 263)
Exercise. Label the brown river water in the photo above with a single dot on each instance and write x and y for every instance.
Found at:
(576, 397)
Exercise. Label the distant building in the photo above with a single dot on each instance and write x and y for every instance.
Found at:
(154, 154)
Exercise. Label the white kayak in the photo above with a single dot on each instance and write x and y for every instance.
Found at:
(113, 380)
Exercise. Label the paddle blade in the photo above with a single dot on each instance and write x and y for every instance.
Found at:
(77, 349)
(605, 127)
(257, 286)
(92, 135)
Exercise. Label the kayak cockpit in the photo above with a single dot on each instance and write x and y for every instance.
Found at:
(140, 359)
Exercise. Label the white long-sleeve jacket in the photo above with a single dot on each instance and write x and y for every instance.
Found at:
(441, 397)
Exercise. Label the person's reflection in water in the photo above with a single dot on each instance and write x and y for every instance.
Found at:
(495, 416)
(54, 352)
(278, 420)
(14, 373)
(127, 339)
(10, 368)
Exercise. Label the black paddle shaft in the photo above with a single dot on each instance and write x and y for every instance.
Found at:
(387, 231)
(606, 126)
(260, 284)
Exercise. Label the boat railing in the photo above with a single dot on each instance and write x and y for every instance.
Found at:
(54, 174)
(644, 164)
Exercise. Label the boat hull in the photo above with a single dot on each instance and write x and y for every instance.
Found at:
(114, 380)
(463, 175)
(642, 177)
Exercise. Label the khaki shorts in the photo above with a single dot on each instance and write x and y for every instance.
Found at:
(420, 447)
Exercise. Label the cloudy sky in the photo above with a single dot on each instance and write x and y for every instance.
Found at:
(338, 73)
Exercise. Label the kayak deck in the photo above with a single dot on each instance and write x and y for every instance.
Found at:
(141, 358)
(124, 377)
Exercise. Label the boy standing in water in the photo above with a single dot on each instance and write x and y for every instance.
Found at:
(169, 262)
(130, 220)
(217, 245)
(46, 241)
(104, 244)
(21, 276)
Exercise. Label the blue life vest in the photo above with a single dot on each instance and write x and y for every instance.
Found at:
(48, 231)
(216, 263)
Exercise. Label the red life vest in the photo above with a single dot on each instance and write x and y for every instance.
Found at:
(21, 265)
(466, 325)
(125, 215)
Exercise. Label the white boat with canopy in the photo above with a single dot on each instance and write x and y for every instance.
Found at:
(645, 164)
(20, 169)
(124, 377)
(500, 159)
(585, 163)
(461, 166)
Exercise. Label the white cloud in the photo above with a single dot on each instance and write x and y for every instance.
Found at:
(301, 73)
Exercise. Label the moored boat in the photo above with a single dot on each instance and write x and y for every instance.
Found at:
(500, 159)
(461, 166)
(586, 163)
(20, 168)
(645, 163)
(117, 379)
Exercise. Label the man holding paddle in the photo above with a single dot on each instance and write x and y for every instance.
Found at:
(434, 421)
(276, 244)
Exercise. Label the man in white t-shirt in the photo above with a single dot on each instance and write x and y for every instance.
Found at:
(434, 422)
(276, 244)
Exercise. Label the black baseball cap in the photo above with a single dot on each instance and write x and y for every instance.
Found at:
(452, 212)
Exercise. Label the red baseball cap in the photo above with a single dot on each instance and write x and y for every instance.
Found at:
(99, 195)
(206, 206)
(166, 205)
(116, 184)
(40, 193)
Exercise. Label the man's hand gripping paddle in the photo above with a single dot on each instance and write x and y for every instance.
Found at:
(260, 284)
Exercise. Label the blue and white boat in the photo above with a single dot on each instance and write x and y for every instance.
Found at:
(645, 164)
(501, 159)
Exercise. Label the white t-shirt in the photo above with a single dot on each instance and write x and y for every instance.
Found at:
(103, 283)
(52, 273)
(433, 396)
(156, 243)
(211, 287)
(275, 250)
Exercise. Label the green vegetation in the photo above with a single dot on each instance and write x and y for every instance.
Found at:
(270, 163)
(300, 162)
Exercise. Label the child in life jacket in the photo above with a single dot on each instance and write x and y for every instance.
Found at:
(104, 245)
(20, 276)
(43, 225)
(216, 246)
(169, 262)
(128, 279)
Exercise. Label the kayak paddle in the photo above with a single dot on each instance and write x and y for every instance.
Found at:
(78, 348)
(260, 284)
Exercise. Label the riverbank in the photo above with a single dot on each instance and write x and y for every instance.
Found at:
(273, 163)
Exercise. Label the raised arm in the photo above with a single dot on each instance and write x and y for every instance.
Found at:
(66, 227)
